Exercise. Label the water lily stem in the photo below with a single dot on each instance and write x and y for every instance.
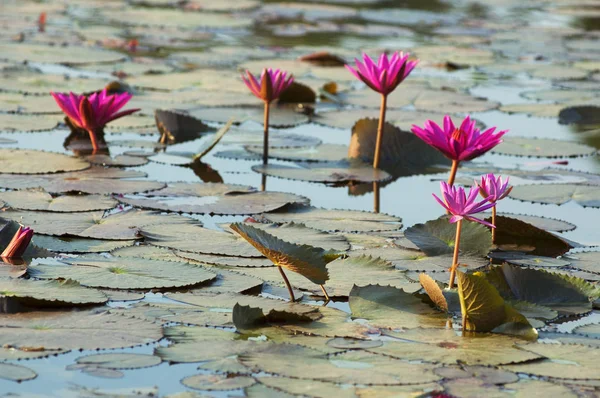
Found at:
(494, 224)
(455, 257)
(453, 172)
(327, 299)
(94, 140)
(287, 284)
(266, 136)
(376, 198)
(380, 130)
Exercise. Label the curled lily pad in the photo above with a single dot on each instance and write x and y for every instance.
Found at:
(336, 219)
(402, 152)
(14, 372)
(484, 310)
(585, 195)
(39, 200)
(338, 172)
(436, 237)
(27, 161)
(513, 234)
(125, 273)
(542, 147)
(391, 308)
(49, 293)
(52, 331)
(308, 261)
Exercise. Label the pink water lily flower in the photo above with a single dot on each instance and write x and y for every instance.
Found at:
(492, 187)
(272, 83)
(93, 112)
(463, 143)
(385, 75)
(18, 243)
(462, 206)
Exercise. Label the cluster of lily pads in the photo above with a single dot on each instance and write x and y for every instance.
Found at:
(104, 234)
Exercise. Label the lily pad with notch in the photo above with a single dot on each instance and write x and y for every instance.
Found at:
(125, 273)
(41, 201)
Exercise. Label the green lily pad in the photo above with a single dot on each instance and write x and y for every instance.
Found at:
(18, 373)
(119, 361)
(125, 273)
(339, 172)
(116, 161)
(118, 226)
(49, 293)
(16, 122)
(526, 260)
(336, 219)
(391, 308)
(65, 244)
(587, 261)
(42, 201)
(347, 118)
(210, 382)
(321, 153)
(50, 332)
(278, 116)
(585, 195)
(436, 237)
(542, 148)
(70, 55)
(546, 223)
(27, 161)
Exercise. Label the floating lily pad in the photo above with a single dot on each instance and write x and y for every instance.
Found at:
(177, 18)
(93, 181)
(195, 239)
(345, 119)
(486, 374)
(436, 237)
(321, 153)
(42, 201)
(49, 293)
(278, 117)
(564, 361)
(277, 139)
(18, 373)
(452, 102)
(67, 244)
(548, 224)
(229, 203)
(119, 226)
(525, 260)
(117, 161)
(15, 122)
(585, 195)
(209, 382)
(26, 161)
(119, 361)
(125, 273)
(294, 387)
(227, 261)
(53, 331)
(542, 147)
(391, 308)
(539, 110)
(338, 172)
(336, 220)
(23, 52)
(587, 261)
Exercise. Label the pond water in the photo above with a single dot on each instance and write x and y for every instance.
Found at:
(511, 64)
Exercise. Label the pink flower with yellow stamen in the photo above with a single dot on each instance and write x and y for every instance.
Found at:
(463, 206)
